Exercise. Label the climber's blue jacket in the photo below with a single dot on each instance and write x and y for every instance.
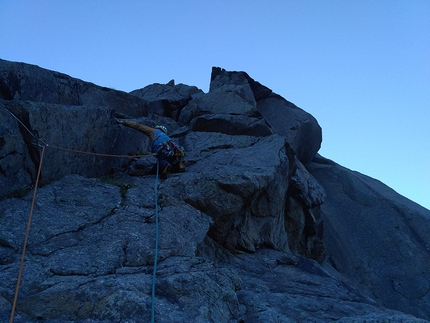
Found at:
(157, 136)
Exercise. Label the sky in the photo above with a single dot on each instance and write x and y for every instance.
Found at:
(361, 68)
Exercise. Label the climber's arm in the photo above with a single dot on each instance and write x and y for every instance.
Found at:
(138, 126)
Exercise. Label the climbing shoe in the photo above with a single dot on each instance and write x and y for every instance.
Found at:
(166, 171)
(181, 166)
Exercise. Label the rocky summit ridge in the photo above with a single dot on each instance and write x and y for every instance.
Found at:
(260, 227)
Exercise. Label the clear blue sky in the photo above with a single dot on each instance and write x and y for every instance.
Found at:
(362, 68)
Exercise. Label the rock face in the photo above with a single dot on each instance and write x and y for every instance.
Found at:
(378, 239)
(260, 228)
(19, 81)
(166, 99)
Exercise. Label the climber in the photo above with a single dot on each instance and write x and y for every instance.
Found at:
(169, 154)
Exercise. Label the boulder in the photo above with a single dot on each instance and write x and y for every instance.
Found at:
(250, 182)
(377, 238)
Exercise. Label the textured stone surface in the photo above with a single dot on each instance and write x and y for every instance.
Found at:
(84, 129)
(253, 231)
(20, 81)
(376, 237)
(301, 129)
(91, 255)
(167, 99)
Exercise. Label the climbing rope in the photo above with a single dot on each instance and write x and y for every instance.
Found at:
(16, 118)
(44, 145)
(41, 143)
(154, 274)
(26, 238)
(98, 154)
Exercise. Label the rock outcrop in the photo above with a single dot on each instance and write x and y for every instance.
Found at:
(376, 238)
(19, 81)
(260, 228)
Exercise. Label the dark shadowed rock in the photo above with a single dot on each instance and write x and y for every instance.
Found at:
(299, 127)
(231, 125)
(307, 295)
(376, 237)
(16, 166)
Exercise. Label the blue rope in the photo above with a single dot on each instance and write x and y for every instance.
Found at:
(156, 247)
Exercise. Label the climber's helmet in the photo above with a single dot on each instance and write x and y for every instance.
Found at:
(162, 128)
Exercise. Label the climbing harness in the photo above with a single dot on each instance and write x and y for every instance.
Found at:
(44, 145)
